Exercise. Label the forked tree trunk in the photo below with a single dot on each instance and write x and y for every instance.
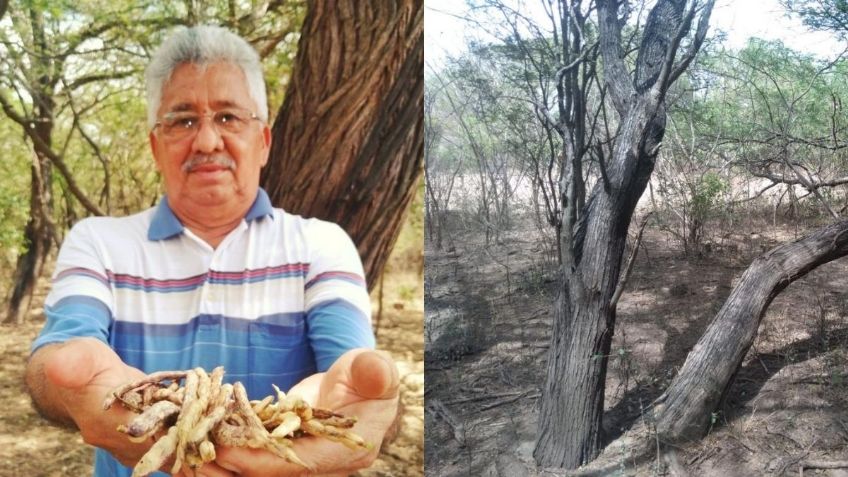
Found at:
(683, 411)
(348, 140)
(573, 401)
(570, 430)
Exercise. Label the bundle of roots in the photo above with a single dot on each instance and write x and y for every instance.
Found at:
(205, 412)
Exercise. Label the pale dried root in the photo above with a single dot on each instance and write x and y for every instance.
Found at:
(205, 412)
(289, 423)
(316, 428)
(157, 454)
(152, 419)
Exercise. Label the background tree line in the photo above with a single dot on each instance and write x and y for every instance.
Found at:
(765, 117)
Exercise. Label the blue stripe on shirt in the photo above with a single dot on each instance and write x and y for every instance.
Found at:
(334, 327)
(270, 349)
(74, 317)
(278, 324)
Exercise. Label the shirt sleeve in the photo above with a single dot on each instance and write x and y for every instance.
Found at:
(338, 309)
(80, 300)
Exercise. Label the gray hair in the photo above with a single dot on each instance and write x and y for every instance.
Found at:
(203, 45)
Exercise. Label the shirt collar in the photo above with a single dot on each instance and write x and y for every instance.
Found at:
(166, 225)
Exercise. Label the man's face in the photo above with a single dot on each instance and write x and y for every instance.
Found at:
(209, 166)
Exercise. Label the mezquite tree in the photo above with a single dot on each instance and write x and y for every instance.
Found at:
(791, 118)
(593, 236)
(348, 141)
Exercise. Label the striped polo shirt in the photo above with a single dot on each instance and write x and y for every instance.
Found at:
(282, 297)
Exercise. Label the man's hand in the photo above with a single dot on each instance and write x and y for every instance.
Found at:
(361, 383)
(70, 381)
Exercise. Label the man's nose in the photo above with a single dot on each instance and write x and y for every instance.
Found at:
(207, 139)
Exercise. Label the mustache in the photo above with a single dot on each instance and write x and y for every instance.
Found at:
(198, 160)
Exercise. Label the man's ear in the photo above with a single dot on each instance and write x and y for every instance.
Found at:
(266, 137)
(151, 137)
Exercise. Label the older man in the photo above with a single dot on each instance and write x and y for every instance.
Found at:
(211, 276)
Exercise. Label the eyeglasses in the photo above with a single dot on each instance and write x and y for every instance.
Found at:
(182, 124)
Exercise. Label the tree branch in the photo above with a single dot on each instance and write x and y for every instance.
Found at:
(695, 46)
(628, 268)
(84, 80)
(616, 75)
(44, 149)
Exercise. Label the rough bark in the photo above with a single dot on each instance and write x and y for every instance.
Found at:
(683, 411)
(570, 430)
(572, 404)
(348, 140)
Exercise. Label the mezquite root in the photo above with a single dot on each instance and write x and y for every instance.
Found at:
(205, 412)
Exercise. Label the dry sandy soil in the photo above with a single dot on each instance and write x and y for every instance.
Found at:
(487, 333)
(31, 447)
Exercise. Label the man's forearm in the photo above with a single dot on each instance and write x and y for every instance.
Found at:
(44, 398)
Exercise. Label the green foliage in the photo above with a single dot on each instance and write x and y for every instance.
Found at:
(13, 214)
(14, 197)
(751, 114)
(707, 194)
(827, 15)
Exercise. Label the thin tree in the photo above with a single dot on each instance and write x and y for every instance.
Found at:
(35, 65)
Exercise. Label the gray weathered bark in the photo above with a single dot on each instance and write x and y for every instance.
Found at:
(683, 411)
(584, 317)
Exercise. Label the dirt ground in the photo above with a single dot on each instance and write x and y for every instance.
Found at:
(487, 331)
(31, 447)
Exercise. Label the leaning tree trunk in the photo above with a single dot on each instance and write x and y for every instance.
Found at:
(570, 427)
(348, 140)
(683, 411)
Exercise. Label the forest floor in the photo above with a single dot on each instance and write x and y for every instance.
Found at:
(487, 329)
(29, 446)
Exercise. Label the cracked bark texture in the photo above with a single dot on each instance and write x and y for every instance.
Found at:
(348, 141)
(570, 430)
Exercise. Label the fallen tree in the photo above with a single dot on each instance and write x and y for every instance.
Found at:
(682, 413)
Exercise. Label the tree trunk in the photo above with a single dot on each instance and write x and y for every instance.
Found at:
(570, 432)
(584, 315)
(348, 140)
(683, 411)
(37, 232)
(434, 215)
(37, 238)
